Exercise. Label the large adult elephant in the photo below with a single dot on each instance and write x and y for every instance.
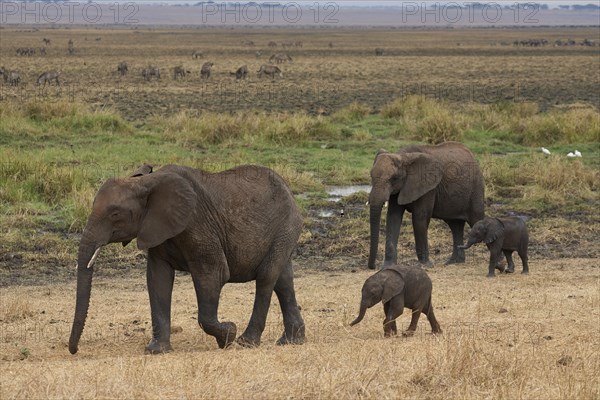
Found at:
(442, 181)
(235, 226)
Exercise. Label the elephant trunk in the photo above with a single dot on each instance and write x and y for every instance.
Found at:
(375, 220)
(470, 242)
(361, 313)
(85, 260)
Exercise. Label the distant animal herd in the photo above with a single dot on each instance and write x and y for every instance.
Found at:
(557, 43)
(13, 77)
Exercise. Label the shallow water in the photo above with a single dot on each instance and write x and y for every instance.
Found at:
(337, 192)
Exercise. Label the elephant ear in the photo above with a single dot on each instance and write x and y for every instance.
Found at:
(170, 204)
(495, 230)
(393, 285)
(423, 174)
(143, 170)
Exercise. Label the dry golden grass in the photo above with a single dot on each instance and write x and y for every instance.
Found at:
(533, 337)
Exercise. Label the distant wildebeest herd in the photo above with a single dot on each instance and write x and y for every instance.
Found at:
(557, 43)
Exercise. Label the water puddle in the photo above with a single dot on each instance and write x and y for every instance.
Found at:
(337, 192)
(325, 214)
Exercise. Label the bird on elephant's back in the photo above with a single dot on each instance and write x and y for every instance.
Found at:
(430, 181)
(235, 226)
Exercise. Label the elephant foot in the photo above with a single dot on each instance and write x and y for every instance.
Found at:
(502, 268)
(227, 334)
(525, 272)
(408, 333)
(455, 260)
(509, 270)
(296, 337)
(492, 275)
(283, 340)
(246, 341)
(426, 264)
(156, 347)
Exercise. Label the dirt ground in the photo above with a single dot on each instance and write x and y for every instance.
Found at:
(514, 336)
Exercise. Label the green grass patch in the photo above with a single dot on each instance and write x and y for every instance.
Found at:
(55, 156)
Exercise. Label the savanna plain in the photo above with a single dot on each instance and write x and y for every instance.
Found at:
(319, 125)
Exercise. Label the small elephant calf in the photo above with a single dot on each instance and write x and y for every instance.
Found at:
(501, 235)
(398, 287)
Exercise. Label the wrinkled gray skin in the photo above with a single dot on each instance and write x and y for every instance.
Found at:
(270, 70)
(442, 181)
(206, 70)
(238, 225)
(48, 77)
(122, 68)
(398, 287)
(501, 235)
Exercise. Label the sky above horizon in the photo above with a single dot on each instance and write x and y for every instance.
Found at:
(555, 3)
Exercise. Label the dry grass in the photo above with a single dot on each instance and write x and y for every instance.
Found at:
(551, 316)
(540, 182)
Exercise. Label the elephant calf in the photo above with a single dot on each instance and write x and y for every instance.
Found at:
(501, 235)
(398, 287)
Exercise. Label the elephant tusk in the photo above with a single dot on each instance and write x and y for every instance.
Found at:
(91, 263)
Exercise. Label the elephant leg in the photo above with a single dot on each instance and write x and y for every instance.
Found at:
(523, 255)
(159, 277)
(435, 326)
(509, 261)
(208, 290)
(268, 274)
(495, 255)
(393, 309)
(395, 213)
(457, 227)
(421, 215)
(292, 320)
(256, 325)
(389, 327)
(420, 227)
(414, 320)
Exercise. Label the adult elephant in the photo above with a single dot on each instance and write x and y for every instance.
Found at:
(235, 226)
(442, 181)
